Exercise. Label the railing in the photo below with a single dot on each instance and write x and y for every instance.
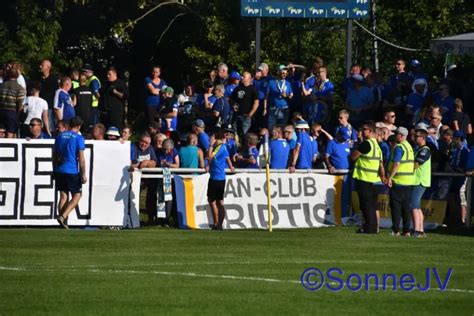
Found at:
(156, 173)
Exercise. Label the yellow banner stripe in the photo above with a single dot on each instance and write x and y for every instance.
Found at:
(189, 194)
(338, 181)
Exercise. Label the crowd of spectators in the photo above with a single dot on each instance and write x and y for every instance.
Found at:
(296, 107)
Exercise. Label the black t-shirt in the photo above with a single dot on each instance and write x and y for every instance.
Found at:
(110, 101)
(49, 86)
(422, 155)
(84, 102)
(463, 120)
(244, 97)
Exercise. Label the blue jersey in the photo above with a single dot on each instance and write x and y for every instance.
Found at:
(251, 152)
(231, 148)
(338, 154)
(203, 142)
(168, 157)
(415, 101)
(202, 103)
(222, 106)
(67, 147)
(63, 103)
(305, 157)
(229, 89)
(174, 120)
(279, 153)
(262, 86)
(152, 99)
(275, 90)
(218, 163)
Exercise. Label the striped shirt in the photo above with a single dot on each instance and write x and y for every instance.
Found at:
(11, 95)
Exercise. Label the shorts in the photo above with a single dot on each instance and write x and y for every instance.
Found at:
(215, 190)
(462, 193)
(66, 182)
(416, 195)
(8, 119)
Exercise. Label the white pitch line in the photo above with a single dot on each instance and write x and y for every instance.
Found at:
(194, 275)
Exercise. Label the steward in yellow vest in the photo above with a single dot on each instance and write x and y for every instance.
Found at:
(400, 180)
(368, 169)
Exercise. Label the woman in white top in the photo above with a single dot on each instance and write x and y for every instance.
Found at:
(35, 107)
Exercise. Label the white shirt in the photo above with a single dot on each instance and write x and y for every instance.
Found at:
(34, 107)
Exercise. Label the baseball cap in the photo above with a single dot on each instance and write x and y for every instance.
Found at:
(415, 63)
(199, 123)
(402, 131)
(460, 134)
(422, 126)
(262, 66)
(302, 124)
(282, 67)
(344, 133)
(113, 131)
(235, 75)
(168, 89)
(229, 128)
(357, 77)
(87, 67)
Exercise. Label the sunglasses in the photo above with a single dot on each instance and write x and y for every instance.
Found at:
(33, 125)
(434, 118)
(392, 116)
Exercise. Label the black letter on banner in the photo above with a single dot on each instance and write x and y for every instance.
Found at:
(297, 193)
(243, 186)
(262, 209)
(238, 220)
(36, 189)
(253, 223)
(309, 185)
(9, 192)
(316, 208)
(207, 209)
(307, 215)
(289, 209)
(230, 189)
(273, 183)
(280, 189)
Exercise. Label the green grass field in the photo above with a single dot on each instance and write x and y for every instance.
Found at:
(167, 271)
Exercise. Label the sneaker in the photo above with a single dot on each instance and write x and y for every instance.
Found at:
(394, 234)
(421, 235)
(360, 231)
(406, 234)
(62, 222)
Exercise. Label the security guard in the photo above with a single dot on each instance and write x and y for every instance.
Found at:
(400, 180)
(94, 84)
(422, 179)
(368, 169)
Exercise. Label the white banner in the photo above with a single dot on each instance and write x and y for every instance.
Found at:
(298, 201)
(27, 189)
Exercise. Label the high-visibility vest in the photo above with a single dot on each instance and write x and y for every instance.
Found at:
(423, 172)
(366, 167)
(95, 100)
(406, 172)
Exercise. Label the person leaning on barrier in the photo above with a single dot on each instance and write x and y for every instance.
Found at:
(400, 180)
(368, 169)
(218, 159)
(338, 151)
(422, 180)
(191, 156)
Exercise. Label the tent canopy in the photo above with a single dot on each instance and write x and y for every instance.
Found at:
(462, 44)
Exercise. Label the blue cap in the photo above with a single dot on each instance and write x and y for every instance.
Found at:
(460, 134)
(415, 63)
(235, 75)
(344, 133)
